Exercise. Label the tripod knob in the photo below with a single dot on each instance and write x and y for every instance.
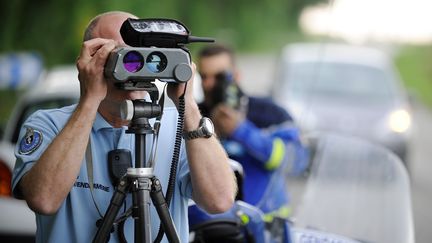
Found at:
(134, 109)
(127, 110)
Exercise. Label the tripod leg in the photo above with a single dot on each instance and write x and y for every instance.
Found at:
(102, 235)
(163, 211)
(141, 209)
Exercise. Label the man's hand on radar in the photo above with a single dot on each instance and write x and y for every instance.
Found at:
(90, 64)
(175, 90)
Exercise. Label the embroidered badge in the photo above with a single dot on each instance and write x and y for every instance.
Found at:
(30, 142)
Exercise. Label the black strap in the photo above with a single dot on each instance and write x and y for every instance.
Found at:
(89, 164)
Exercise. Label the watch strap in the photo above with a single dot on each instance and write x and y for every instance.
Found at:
(200, 132)
(192, 134)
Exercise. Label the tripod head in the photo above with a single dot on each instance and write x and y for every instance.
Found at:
(139, 111)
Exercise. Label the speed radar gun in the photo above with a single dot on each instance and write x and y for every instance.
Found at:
(156, 50)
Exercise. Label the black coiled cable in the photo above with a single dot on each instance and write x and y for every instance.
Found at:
(176, 153)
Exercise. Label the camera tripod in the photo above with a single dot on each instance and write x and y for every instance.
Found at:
(140, 181)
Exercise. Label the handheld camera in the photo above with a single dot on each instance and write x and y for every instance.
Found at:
(227, 91)
(156, 51)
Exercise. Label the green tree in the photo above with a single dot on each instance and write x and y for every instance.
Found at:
(54, 28)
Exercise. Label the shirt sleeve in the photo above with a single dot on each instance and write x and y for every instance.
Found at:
(183, 174)
(35, 136)
(268, 146)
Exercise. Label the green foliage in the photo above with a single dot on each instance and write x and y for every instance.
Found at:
(414, 64)
(7, 100)
(54, 28)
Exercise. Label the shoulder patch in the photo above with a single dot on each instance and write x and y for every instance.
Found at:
(30, 142)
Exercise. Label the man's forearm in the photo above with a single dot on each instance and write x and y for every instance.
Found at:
(212, 177)
(49, 181)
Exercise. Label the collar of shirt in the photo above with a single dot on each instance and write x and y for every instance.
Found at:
(100, 123)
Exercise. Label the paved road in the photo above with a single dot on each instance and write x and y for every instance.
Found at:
(257, 73)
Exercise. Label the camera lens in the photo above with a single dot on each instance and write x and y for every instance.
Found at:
(133, 61)
(156, 62)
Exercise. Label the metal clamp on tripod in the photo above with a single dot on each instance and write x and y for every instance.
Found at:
(140, 181)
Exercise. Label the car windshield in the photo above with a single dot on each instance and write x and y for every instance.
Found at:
(357, 189)
(338, 80)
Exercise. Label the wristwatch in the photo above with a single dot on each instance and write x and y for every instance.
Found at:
(204, 130)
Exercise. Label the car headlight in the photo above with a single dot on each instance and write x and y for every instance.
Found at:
(399, 121)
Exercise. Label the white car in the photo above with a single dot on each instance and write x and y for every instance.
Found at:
(59, 87)
(347, 89)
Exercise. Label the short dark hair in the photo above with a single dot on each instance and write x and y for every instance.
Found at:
(88, 33)
(216, 49)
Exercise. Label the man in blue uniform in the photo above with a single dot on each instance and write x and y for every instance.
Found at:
(69, 189)
(254, 131)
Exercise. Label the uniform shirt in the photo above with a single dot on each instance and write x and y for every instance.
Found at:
(75, 219)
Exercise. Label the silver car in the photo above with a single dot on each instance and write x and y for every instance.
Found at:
(346, 89)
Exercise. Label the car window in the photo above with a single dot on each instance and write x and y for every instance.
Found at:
(338, 80)
(31, 108)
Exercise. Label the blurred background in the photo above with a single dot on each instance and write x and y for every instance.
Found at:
(37, 36)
